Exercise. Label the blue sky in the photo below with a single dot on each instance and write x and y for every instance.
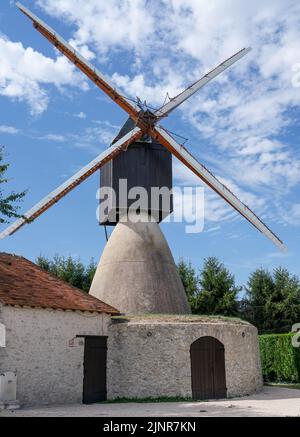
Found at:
(244, 126)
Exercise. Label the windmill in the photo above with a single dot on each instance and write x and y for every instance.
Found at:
(142, 125)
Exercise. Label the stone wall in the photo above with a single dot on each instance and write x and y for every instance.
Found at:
(40, 349)
(152, 358)
(2, 349)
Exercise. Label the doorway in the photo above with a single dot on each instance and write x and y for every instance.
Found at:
(208, 369)
(94, 377)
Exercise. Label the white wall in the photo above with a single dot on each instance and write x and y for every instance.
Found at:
(38, 348)
(2, 335)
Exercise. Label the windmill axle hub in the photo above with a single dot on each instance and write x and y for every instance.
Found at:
(148, 119)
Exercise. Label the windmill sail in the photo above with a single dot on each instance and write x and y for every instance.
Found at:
(73, 182)
(203, 173)
(192, 89)
(85, 66)
(145, 122)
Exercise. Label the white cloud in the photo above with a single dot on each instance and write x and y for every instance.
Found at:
(291, 215)
(243, 117)
(246, 197)
(155, 94)
(93, 138)
(53, 137)
(81, 115)
(104, 132)
(9, 130)
(215, 208)
(24, 73)
(106, 24)
(213, 229)
(184, 176)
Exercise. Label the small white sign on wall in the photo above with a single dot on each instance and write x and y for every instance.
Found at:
(2, 335)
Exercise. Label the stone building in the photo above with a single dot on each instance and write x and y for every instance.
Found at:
(59, 345)
(52, 333)
(182, 356)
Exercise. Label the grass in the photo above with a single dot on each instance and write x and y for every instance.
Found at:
(192, 318)
(283, 385)
(149, 400)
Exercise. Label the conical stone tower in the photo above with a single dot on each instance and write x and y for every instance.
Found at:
(137, 273)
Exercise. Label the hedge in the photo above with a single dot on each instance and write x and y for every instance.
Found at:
(280, 360)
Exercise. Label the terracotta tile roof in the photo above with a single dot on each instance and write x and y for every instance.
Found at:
(24, 283)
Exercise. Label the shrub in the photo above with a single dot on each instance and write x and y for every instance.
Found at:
(280, 360)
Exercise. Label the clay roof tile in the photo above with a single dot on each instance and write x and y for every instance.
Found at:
(23, 283)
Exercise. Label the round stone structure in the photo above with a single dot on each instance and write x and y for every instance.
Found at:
(137, 273)
(150, 356)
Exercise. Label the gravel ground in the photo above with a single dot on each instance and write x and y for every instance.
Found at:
(273, 401)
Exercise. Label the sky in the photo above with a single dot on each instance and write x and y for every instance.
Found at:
(244, 126)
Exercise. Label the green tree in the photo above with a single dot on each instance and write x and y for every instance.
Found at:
(69, 270)
(8, 203)
(90, 271)
(190, 282)
(217, 290)
(272, 302)
(284, 308)
(259, 288)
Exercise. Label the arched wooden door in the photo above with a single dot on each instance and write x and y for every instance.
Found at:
(208, 369)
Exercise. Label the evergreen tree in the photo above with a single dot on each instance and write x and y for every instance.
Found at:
(259, 288)
(272, 302)
(69, 270)
(218, 292)
(190, 282)
(90, 271)
(8, 207)
(285, 309)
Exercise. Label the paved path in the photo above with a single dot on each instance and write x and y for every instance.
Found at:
(271, 402)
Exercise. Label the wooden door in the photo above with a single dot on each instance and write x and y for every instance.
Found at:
(208, 369)
(94, 380)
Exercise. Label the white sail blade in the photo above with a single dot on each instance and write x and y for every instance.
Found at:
(74, 181)
(85, 66)
(192, 89)
(203, 173)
